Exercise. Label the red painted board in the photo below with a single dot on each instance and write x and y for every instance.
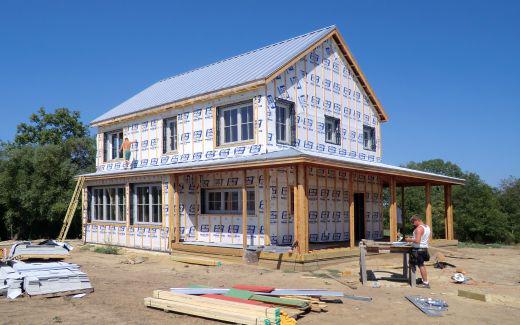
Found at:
(253, 288)
(245, 301)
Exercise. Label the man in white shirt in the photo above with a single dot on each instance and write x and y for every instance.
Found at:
(419, 253)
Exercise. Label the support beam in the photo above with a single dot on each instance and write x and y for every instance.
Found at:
(176, 214)
(448, 213)
(393, 210)
(351, 209)
(428, 209)
(244, 210)
(302, 211)
(402, 204)
(267, 207)
(171, 210)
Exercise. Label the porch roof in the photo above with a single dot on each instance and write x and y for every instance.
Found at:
(284, 157)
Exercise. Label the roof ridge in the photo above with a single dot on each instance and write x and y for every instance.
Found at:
(248, 52)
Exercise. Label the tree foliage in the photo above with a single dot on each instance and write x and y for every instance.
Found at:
(37, 173)
(481, 213)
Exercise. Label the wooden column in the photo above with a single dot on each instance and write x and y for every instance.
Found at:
(428, 210)
(351, 209)
(402, 204)
(176, 205)
(393, 210)
(267, 207)
(244, 210)
(448, 213)
(171, 209)
(301, 219)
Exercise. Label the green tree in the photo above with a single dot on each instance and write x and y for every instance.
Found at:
(477, 213)
(509, 198)
(37, 173)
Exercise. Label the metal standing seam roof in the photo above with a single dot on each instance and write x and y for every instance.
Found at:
(282, 154)
(241, 69)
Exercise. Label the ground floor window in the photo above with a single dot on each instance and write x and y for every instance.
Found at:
(226, 201)
(108, 203)
(147, 203)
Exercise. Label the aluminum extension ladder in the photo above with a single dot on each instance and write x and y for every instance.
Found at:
(71, 209)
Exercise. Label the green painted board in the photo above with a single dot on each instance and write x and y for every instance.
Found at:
(280, 301)
(237, 293)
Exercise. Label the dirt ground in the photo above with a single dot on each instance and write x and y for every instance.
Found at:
(120, 289)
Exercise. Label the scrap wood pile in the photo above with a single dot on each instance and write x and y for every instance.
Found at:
(41, 279)
(244, 304)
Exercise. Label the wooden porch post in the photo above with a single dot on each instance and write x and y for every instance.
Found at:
(402, 204)
(244, 210)
(428, 210)
(171, 210)
(351, 209)
(175, 207)
(393, 210)
(448, 213)
(301, 220)
(267, 207)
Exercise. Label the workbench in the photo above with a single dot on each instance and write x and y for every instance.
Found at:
(370, 246)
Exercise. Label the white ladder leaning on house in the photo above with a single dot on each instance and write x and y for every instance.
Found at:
(71, 209)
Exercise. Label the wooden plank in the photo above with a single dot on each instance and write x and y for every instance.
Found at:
(196, 260)
(428, 209)
(203, 311)
(473, 295)
(267, 207)
(216, 304)
(351, 209)
(448, 210)
(171, 209)
(244, 210)
(244, 301)
(301, 219)
(393, 210)
(177, 217)
(62, 293)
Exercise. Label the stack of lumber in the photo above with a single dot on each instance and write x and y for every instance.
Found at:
(224, 310)
(43, 279)
(48, 249)
(270, 305)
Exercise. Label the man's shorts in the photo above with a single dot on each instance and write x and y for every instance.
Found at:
(127, 154)
(418, 256)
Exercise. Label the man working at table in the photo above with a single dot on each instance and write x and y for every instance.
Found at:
(419, 253)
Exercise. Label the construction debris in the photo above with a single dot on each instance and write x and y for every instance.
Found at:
(43, 279)
(429, 306)
(48, 249)
(246, 304)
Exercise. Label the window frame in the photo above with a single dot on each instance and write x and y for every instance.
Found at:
(229, 191)
(221, 126)
(167, 137)
(119, 208)
(290, 131)
(369, 143)
(136, 206)
(336, 122)
(107, 139)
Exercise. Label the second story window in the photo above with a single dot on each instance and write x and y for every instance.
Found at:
(112, 145)
(235, 123)
(170, 135)
(332, 130)
(285, 129)
(369, 138)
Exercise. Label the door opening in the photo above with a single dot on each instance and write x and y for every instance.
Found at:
(359, 217)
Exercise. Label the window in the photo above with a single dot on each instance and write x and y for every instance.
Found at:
(332, 130)
(285, 130)
(170, 134)
(369, 138)
(235, 123)
(108, 204)
(147, 203)
(227, 201)
(112, 145)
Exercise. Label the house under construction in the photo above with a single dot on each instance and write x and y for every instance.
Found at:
(280, 146)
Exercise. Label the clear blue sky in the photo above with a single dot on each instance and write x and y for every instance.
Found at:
(447, 72)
